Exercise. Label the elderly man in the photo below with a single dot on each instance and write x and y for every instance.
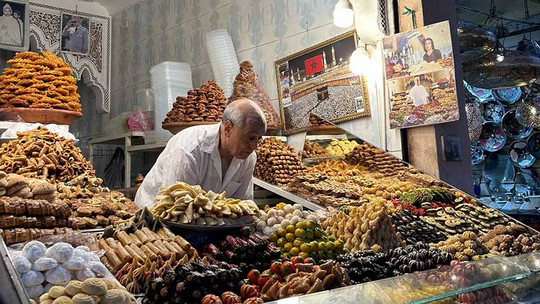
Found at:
(76, 35)
(217, 157)
(9, 27)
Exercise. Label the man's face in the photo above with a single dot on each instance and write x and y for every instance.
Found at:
(417, 81)
(243, 141)
(428, 45)
(7, 11)
(16, 15)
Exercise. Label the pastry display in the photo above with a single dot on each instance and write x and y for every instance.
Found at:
(368, 227)
(192, 282)
(510, 240)
(277, 163)
(313, 149)
(20, 213)
(188, 204)
(204, 104)
(247, 86)
(39, 81)
(15, 185)
(306, 239)
(42, 154)
(40, 268)
(375, 159)
(21, 235)
(281, 216)
(88, 291)
(412, 229)
(340, 147)
(130, 254)
(365, 266)
(465, 247)
(248, 252)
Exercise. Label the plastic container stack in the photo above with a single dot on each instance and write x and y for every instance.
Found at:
(169, 80)
(222, 58)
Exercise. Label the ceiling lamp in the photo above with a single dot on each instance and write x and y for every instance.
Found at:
(343, 14)
(360, 64)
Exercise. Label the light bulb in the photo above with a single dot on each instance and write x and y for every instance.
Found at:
(343, 14)
(360, 62)
(500, 57)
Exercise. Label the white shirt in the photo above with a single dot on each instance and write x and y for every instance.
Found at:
(192, 156)
(419, 95)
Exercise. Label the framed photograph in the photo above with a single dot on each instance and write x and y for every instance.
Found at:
(14, 25)
(75, 36)
(418, 51)
(318, 81)
(451, 148)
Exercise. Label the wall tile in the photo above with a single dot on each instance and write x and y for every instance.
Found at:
(293, 44)
(267, 56)
(187, 38)
(255, 19)
(323, 11)
(123, 30)
(249, 55)
(201, 74)
(305, 13)
(224, 17)
(164, 9)
(115, 35)
(179, 13)
(131, 76)
(239, 25)
(173, 44)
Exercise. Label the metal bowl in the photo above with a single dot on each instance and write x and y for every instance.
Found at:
(528, 113)
(519, 154)
(533, 144)
(492, 138)
(477, 154)
(513, 128)
(508, 96)
(493, 111)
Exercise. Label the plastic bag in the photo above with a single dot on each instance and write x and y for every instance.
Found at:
(246, 85)
(139, 120)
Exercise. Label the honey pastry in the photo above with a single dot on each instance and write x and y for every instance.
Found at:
(29, 66)
(46, 77)
(28, 82)
(82, 298)
(17, 102)
(62, 300)
(28, 90)
(19, 60)
(65, 71)
(12, 87)
(52, 73)
(26, 75)
(43, 86)
(61, 91)
(94, 286)
(46, 63)
(28, 55)
(59, 83)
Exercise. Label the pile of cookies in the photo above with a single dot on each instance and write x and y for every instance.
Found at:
(413, 230)
(42, 154)
(465, 247)
(205, 104)
(14, 185)
(92, 290)
(247, 86)
(313, 149)
(24, 213)
(21, 235)
(375, 159)
(39, 81)
(511, 240)
(277, 163)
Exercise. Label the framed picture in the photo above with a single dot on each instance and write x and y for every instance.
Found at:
(451, 148)
(318, 81)
(75, 34)
(420, 77)
(14, 25)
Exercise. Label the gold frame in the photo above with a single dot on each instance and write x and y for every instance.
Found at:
(365, 93)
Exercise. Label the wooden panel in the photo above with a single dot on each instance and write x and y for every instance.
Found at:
(423, 149)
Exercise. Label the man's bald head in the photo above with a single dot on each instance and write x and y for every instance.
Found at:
(243, 111)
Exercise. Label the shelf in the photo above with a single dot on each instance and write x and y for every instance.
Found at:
(285, 194)
(148, 147)
(4, 125)
(116, 139)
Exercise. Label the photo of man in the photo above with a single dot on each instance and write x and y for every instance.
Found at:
(418, 94)
(12, 23)
(75, 34)
(432, 54)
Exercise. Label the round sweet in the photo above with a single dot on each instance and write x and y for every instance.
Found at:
(44, 297)
(114, 296)
(34, 291)
(46, 302)
(44, 264)
(211, 299)
(22, 265)
(58, 276)
(73, 287)
(230, 297)
(112, 284)
(32, 278)
(94, 286)
(63, 300)
(34, 250)
(57, 291)
(75, 263)
(84, 274)
(254, 300)
(82, 298)
(98, 268)
(61, 252)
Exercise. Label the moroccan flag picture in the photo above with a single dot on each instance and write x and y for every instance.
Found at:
(314, 65)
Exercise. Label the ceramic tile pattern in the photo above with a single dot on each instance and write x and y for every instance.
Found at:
(263, 31)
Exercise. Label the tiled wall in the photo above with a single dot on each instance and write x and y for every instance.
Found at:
(263, 31)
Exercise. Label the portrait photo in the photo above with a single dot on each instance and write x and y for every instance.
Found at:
(75, 34)
(14, 25)
(418, 51)
(318, 81)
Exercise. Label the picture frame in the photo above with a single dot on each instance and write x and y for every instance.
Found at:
(75, 34)
(318, 81)
(15, 25)
(451, 148)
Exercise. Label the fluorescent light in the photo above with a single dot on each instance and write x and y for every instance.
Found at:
(343, 14)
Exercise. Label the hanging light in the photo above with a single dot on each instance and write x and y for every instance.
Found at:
(360, 64)
(343, 14)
